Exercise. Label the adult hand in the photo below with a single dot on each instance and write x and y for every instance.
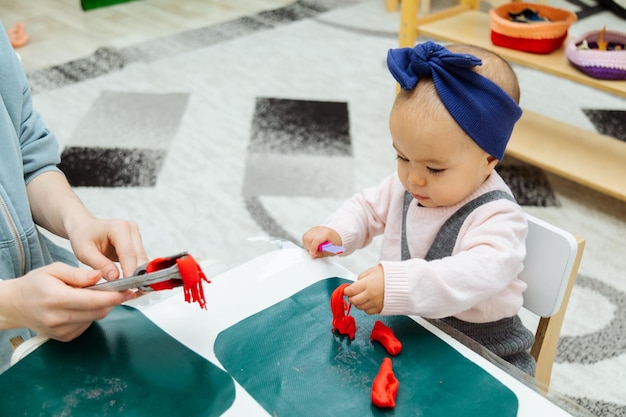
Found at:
(49, 301)
(95, 242)
(99, 243)
(315, 236)
(368, 292)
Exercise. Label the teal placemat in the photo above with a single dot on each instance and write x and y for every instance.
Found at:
(288, 359)
(123, 365)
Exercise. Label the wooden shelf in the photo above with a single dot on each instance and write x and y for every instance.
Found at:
(473, 27)
(587, 158)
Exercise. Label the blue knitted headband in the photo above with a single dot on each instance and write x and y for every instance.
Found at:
(483, 110)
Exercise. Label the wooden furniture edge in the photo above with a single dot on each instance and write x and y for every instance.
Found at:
(594, 160)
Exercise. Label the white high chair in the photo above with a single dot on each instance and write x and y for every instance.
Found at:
(550, 269)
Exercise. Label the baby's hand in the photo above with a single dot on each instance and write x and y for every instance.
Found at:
(368, 292)
(315, 236)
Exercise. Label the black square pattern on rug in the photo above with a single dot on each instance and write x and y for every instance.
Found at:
(300, 126)
(111, 167)
(608, 122)
(528, 184)
(299, 148)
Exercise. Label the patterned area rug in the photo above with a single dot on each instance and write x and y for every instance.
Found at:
(263, 125)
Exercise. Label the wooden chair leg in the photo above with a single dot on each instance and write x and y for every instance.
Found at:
(542, 353)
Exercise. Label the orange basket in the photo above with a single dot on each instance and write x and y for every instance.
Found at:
(536, 37)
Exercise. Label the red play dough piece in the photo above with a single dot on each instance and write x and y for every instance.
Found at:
(343, 322)
(190, 272)
(384, 335)
(385, 386)
(192, 276)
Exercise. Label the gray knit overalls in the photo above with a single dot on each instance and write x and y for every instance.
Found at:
(508, 338)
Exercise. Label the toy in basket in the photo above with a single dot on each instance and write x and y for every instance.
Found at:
(530, 27)
(599, 54)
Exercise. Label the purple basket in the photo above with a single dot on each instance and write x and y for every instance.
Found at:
(606, 65)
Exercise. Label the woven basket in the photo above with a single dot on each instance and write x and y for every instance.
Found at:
(536, 37)
(606, 65)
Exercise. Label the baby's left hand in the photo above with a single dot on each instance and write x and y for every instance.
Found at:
(368, 292)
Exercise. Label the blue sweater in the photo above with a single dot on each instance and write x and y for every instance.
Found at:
(27, 149)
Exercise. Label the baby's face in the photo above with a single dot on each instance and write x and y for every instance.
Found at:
(438, 163)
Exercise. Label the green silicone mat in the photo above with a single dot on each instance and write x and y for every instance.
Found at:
(94, 4)
(123, 365)
(289, 360)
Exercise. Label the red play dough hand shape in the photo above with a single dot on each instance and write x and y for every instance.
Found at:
(192, 276)
(385, 386)
(384, 335)
(343, 322)
(190, 272)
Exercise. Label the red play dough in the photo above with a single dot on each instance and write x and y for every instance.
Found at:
(343, 322)
(190, 272)
(384, 335)
(385, 386)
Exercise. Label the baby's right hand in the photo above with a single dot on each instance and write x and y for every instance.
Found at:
(315, 236)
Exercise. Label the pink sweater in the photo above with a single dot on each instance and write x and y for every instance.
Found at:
(478, 283)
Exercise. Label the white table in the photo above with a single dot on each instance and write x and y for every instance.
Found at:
(264, 281)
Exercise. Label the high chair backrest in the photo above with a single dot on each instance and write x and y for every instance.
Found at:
(552, 259)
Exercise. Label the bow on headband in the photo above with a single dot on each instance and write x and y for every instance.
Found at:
(483, 110)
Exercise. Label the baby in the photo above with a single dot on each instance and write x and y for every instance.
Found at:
(453, 235)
